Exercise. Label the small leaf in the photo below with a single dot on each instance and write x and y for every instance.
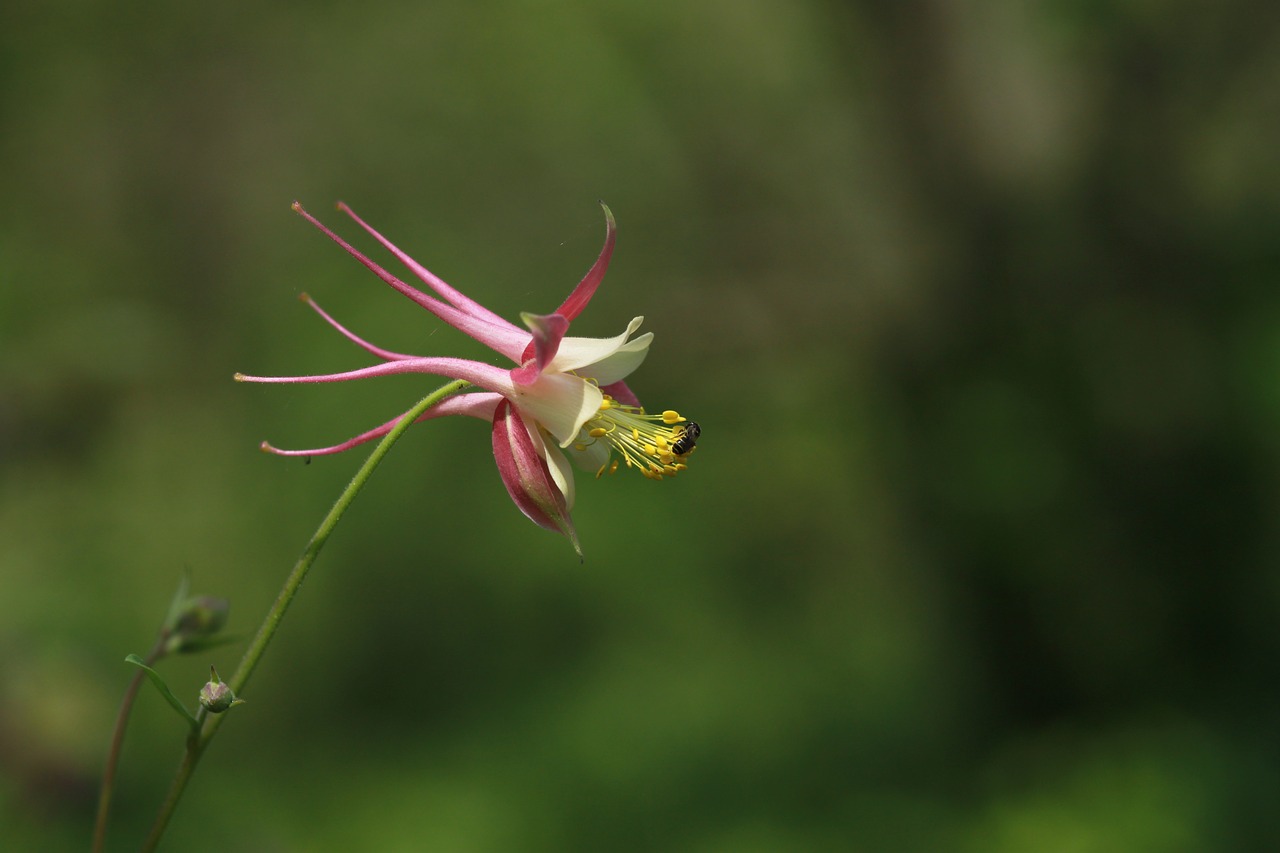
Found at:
(178, 601)
(164, 690)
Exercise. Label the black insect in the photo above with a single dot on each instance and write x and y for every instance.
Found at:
(687, 439)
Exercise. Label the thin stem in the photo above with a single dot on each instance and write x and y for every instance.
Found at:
(196, 745)
(117, 742)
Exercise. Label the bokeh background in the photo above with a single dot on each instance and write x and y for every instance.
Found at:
(976, 303)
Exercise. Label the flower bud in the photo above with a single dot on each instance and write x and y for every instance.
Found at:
(215, 696)
(198, 619)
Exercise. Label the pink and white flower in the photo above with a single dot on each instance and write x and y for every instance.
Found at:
(566, 389)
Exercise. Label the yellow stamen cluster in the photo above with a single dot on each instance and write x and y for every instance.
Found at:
(645, 442)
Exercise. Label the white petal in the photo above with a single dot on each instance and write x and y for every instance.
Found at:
(591, 457)
(560, 403)
(560, 472)
(622, 363)
(584, 354)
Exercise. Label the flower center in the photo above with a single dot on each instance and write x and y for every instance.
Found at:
(656, 445)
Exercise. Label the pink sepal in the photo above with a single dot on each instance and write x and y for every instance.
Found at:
(622, 393)
(548, 331)
(477, 404)
(501, 336)
(385, 354)
(487, 376)
(429, 278)
(581, 295)
(525, 474)
(586, 288)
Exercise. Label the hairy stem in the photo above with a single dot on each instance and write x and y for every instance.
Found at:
(196, 745)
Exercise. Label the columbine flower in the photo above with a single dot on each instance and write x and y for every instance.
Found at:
(568, 389)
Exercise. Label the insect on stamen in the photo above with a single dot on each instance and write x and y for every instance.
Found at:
(687, 439)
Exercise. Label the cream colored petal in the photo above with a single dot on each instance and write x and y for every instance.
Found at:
(621, 364)
(561, 472)
(579, 353)
(591, 457)
(559, 403)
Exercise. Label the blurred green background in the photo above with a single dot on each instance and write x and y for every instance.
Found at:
(976, 305)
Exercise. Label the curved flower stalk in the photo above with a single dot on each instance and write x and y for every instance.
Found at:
(566, 389)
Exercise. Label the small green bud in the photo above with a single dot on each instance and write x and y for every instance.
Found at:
(196, 621)
(216, 697)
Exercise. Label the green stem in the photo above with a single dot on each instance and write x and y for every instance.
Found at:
(117, 741)
(197, 744)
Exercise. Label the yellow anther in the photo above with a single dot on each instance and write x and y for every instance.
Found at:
(642, 441)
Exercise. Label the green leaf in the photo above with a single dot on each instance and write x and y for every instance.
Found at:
(179, 601)
(164, 690)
